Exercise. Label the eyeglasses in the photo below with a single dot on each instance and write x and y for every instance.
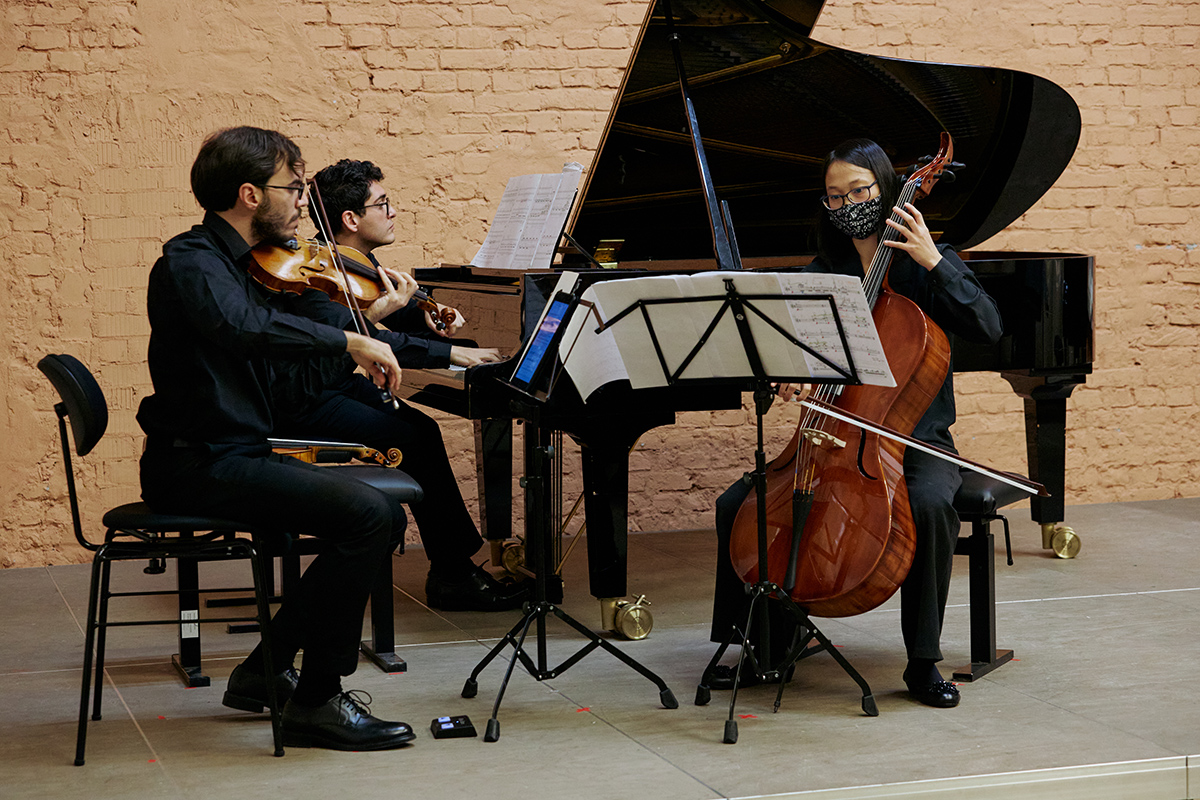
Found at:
(299, 190)
(860, 195)
(385, 204)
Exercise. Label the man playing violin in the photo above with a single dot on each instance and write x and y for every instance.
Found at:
(326, 399)
(215, 332)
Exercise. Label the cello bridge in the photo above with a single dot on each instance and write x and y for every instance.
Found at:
(821, 438)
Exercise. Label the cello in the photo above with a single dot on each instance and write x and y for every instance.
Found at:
(839, 531)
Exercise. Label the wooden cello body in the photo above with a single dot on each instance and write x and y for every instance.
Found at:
(856, 533)
(858, 539)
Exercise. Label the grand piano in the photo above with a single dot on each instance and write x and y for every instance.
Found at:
(771, 101)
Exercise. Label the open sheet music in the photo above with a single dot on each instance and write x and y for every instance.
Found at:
(626, 350)
(529, 221)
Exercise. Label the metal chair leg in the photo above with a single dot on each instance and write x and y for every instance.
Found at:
(261, 596)
(89, 642)
(101, 632)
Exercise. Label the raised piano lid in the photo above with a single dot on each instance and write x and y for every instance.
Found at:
(771, 102)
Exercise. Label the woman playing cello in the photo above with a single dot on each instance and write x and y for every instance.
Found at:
(861, 190)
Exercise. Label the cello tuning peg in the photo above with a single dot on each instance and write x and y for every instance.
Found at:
(947, 176)
(956, 165)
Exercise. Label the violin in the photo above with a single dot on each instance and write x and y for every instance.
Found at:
(840, 533)
(310, 265)
(321, 452)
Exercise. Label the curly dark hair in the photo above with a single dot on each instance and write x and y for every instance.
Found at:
(832, 244)
(234, 156)
(344, 186)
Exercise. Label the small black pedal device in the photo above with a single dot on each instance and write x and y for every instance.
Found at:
(452, 727)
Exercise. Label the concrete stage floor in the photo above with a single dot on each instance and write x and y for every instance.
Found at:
(1100, 703)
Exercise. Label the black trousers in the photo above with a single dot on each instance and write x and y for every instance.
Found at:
(932, 484)
(355, 412)
(357, 524)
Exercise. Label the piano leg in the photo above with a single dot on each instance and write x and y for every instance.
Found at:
(606, 504)
(1046, 448)
(493, 471)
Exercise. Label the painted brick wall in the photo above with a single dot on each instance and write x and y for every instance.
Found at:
(103, 105)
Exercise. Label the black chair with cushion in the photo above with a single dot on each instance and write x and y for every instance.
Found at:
(976, 502)
(134, 532)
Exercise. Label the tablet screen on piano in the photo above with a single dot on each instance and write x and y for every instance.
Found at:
(542, 349)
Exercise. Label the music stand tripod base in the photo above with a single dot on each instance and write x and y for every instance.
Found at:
(539, 553)
(516, 637)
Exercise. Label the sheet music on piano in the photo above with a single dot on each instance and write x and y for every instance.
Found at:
(529, 220)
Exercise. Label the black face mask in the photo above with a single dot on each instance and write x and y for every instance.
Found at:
(858, 220)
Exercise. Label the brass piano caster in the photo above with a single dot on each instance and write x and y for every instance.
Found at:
(631, 619)
(512, 558)
(1061, 539)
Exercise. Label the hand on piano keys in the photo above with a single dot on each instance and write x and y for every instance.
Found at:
(473, 356)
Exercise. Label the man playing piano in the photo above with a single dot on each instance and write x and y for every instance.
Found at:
(860, 186)
(326, 399)
(213, 333)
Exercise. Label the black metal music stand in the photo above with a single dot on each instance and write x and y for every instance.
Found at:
(742, 307)
(539, 552)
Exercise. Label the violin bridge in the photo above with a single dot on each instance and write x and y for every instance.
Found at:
(821, 438)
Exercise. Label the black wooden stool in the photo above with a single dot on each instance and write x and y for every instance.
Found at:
(976, 503)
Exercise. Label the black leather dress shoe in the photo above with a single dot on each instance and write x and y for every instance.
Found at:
(478, 591)
(247, 690)
(343, 723)
(939, 694)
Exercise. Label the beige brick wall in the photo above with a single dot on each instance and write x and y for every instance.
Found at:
(103, 104)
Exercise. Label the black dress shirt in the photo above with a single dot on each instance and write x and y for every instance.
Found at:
(212, 330)
(952, 297)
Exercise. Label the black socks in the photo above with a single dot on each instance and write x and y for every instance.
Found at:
(316, 688)
(921, 672)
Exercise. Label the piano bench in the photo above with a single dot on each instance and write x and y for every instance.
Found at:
(976, 502)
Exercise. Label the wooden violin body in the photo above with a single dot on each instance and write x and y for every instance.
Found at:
(858, 539)
(311, 266)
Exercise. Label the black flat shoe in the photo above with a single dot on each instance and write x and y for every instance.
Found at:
(939, 694)
(343, 723)
(478, 591)
(247, 690)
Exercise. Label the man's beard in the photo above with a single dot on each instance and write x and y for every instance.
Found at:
(269, 225)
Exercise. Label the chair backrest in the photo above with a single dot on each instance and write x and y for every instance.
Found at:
(82, 400)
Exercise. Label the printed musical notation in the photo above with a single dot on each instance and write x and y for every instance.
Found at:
(529, 220)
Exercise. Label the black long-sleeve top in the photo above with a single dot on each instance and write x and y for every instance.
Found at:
(212, 330)
(952, 297)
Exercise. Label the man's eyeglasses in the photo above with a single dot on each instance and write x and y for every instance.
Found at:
(860, 195)
(299, 190)
(385, 204)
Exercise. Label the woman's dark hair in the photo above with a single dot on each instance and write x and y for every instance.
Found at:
(832, 244)
(231, 157)
(344, 186)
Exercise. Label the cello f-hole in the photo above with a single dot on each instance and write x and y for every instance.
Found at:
(862, 447)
